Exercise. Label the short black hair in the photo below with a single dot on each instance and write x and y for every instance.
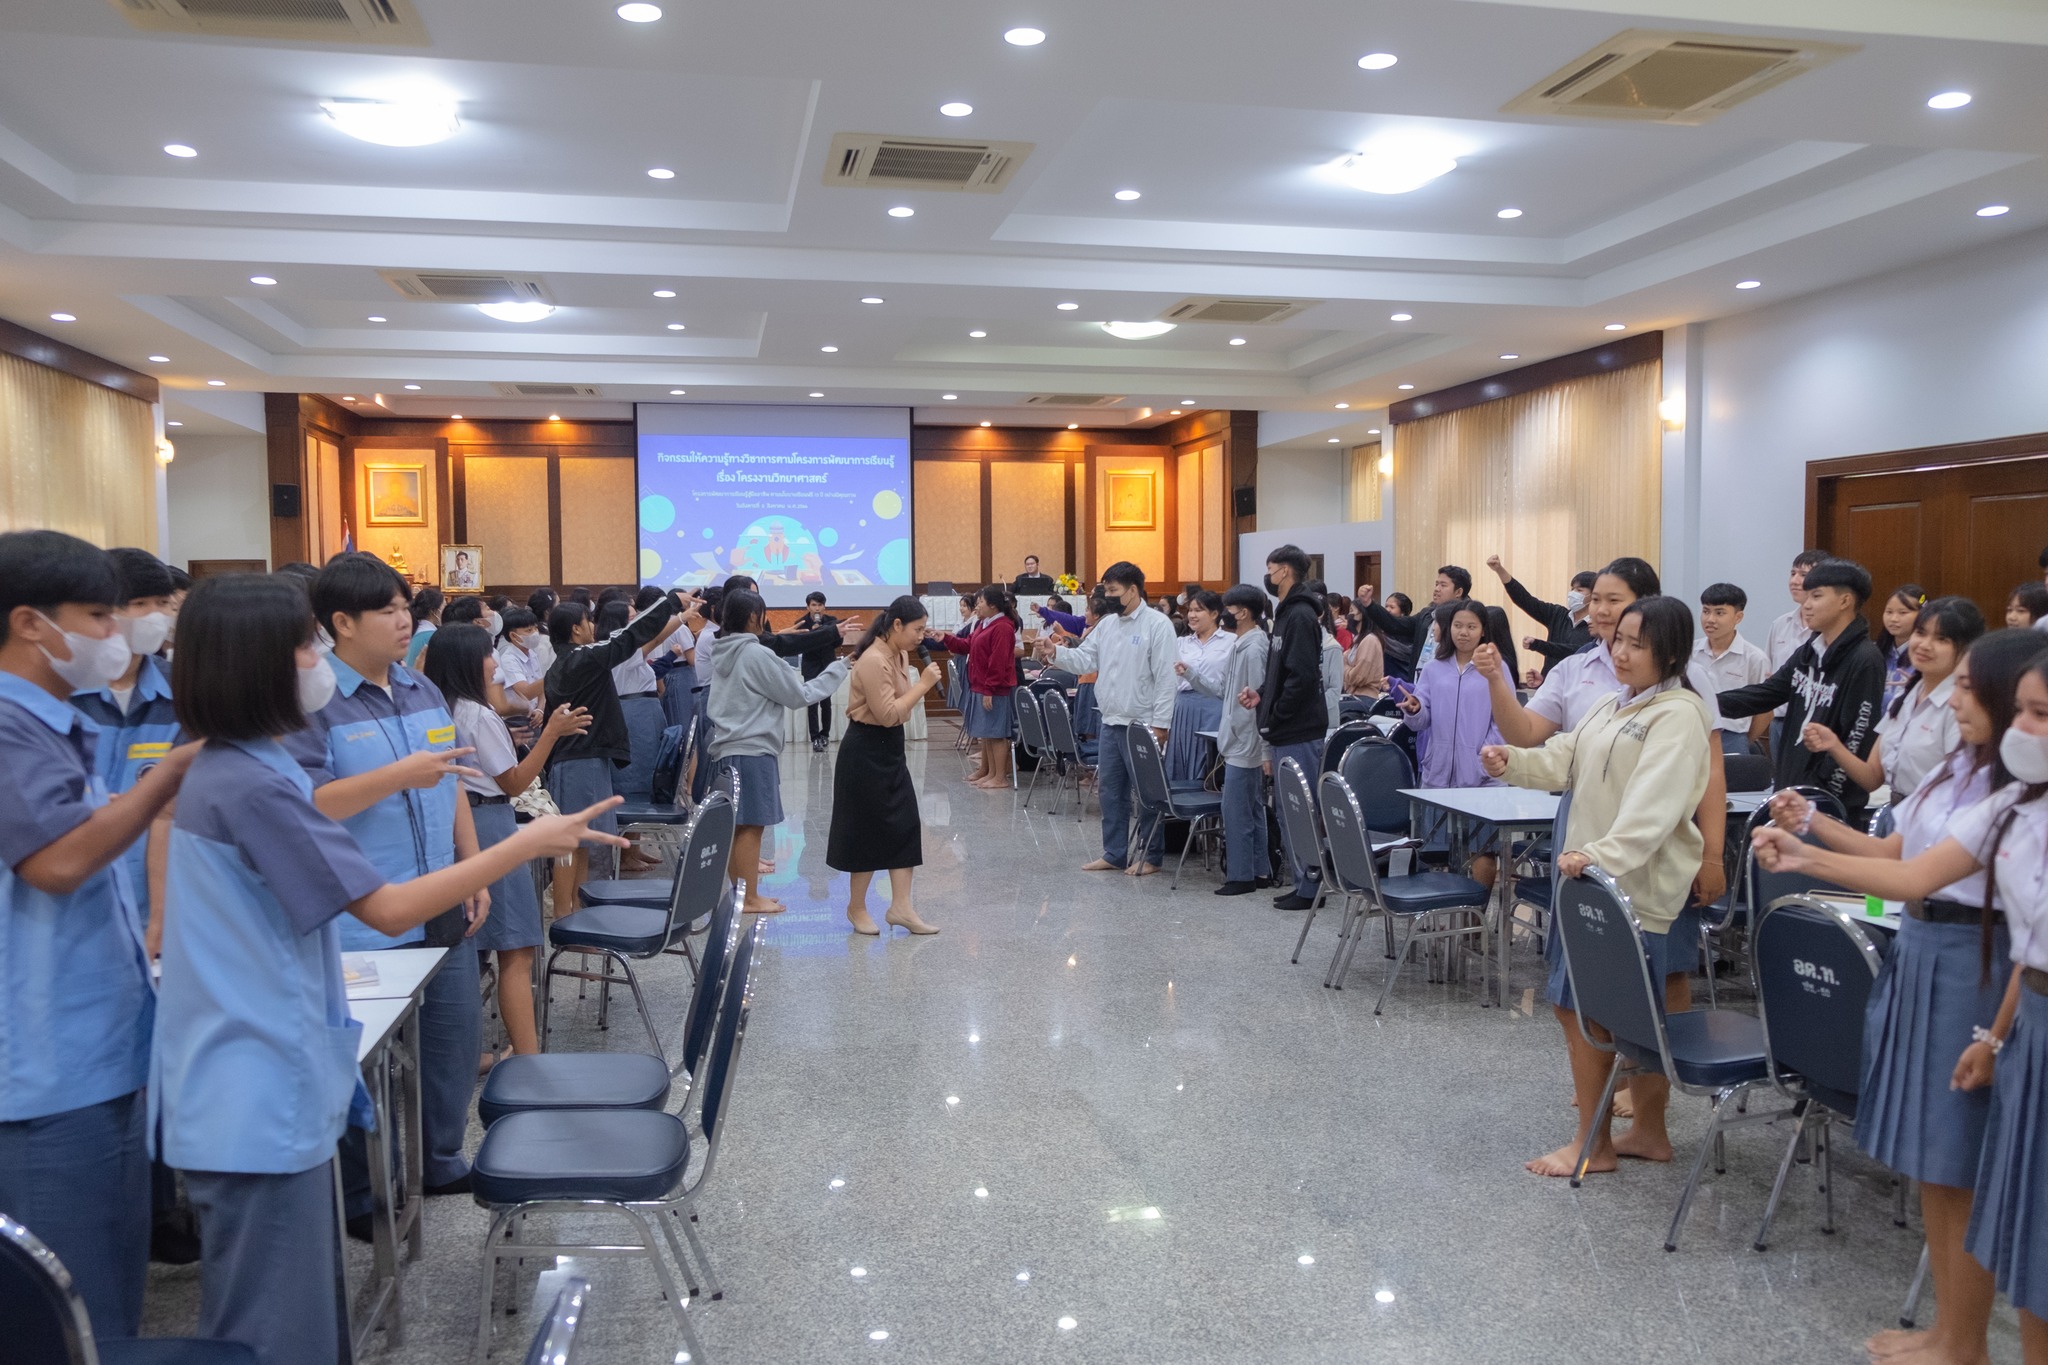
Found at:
(580, 596)
(1724, 595)
(814, 598)
(1244, 597)
(299, 572)
(2032, 598)
(736, 614)
(1401, 604)
(180, 580)
(2043, 561)
(46, 569)
(562, 623)
(742, 582)
(456, 662)
(1461, 578)
(614, 594)
(353, 584)
(462, 611)
(1806, 559)
(1289, 556)
(1125, 574)
(427, 602)
(515, 618)
(1584, 580)
(1033, 559)
(1840, 573)
(613, 617)
(142, 574)
(233, 670)
(648, 596)
(540, 602)
(1641, 579)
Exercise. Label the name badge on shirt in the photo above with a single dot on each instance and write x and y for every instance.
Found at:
(442, 734)
(148, 751)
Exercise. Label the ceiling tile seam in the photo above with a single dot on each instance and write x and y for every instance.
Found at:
(38, 165)
(1773, 168)
(1376, 366)
(801, 161)
(202, 329)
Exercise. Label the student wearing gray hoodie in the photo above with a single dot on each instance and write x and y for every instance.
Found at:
(1247, 862)
(751, 689)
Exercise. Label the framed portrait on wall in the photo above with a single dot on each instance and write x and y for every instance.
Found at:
(397, 495)
(462, 568)
(1132, 506)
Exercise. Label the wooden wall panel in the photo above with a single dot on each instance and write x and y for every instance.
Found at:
(1028, 502)
(599, 543)
(946, 509)
(505, 502)
(418, 546)
(1146, 549)
(1188, 524)
(1215, 513)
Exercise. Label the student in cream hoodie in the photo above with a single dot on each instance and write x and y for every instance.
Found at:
(1637, 766)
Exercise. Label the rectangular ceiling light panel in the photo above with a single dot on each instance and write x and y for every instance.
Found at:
(336, 21)
(1660, 77)
(923, 163)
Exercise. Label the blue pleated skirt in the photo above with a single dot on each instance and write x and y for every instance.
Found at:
(990, 722)
(2009, 1222)
(1928, 996)
(514, 921)
(1188, 753)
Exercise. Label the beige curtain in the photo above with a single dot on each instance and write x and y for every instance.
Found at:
(75, 457)
(1362, 483)
(1554, 481)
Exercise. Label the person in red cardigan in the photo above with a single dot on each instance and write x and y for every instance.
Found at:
(991, 650)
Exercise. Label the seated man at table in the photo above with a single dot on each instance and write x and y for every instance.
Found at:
(1032, 583)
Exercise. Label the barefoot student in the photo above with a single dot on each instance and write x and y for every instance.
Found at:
(875, 825)
(253, 1074)
(991, 650)
(1933, 990)
(1637, 766)
(751, 689)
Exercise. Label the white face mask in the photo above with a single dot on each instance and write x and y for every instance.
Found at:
(2025, 755)
(93, 663)
(1575, 601)
(525, 642)
(493, 622)
(316, 686)
(145, 634)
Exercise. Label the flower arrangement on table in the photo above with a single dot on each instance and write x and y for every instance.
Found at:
(1066, 583)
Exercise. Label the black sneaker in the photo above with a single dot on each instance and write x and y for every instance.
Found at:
(1290, 901)
(359, 1228)
(1235, 889)
(1263, 883)
(459, 1185)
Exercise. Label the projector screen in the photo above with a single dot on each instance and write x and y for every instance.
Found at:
(798, 498)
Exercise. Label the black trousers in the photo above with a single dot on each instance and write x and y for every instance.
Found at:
(821, 719)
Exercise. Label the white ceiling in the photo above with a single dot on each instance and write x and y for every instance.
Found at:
(1223, 115)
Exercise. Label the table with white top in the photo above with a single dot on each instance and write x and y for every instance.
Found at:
(1512, 811)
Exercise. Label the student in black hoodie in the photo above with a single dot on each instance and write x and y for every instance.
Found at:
(816, 660)
(1293, 717)
(1835, 679)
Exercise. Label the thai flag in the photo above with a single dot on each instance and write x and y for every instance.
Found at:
(348, 540)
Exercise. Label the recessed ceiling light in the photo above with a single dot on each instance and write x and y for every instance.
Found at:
(527, 311)
(829, 350)
(350, 398)
(1994, 210)
(1342, 406)
(1187, 402)
(1133, 331)
(816, 394)
(1404, 386)
(677, 393)
(1377, 61)
(956, 109)
(261, 279)
(1749, 284)
(1071, 426)
(1066, 307)
(1401, 317)
(412, 386)
(988, 424)
(1024, 37)
(1510, 355)
(375, 318)
(660, 173)
(639, 13)
(179, 149)
(395, 123)
(1128, 195)
(1394, 166)
(872, 298)
(949, 397)
(903, 211)
(63, 317)
(1175, 412)
(455, 417)
(174, 424)
(664, 293)
(1372, 431)
(552, 417)
(1336, 441)
(677, 327)
(1237, 341)
(161, 359)
(217, 383)
(977, 335)
(1617, 327)
(1949, 99)
(1508, 213)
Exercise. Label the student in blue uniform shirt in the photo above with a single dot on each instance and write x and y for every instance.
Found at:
(75, 996)
(253, 1076)
(384, 763)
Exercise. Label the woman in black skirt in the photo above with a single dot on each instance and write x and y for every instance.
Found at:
(875, 825)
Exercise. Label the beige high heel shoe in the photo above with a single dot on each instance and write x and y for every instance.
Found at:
(908, 920)
(861, 920)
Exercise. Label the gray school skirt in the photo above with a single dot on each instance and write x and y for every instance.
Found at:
(2009, 1221)
(760, 786)
(576, 783)
(514, 921)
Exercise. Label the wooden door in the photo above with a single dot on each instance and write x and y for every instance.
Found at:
(1365, 570)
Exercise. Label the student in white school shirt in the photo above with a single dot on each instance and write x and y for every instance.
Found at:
(1918, 730)
(1727, 660)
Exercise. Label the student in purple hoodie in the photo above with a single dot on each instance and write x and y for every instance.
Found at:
(1452, 714)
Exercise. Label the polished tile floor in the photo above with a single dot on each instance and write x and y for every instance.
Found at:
(1096, 1120)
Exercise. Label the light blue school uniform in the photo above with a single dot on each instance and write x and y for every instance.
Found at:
(75, 1013)
(253, 1077)
(131, 743)
(421, 635)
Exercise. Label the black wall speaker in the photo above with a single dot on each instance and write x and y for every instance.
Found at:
(284, 500)
(1245, 501)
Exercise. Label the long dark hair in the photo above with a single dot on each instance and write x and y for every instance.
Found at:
(1914, 596)
(562, 623)
(899, 612)
(234, 674)
(456, 663)
(426, 602)
(2037, 664)
(1005, 605)
(1954, 619)
(1493, 630)
(1667, 631)
(737, 612)
(1501, 632)
(613, 617)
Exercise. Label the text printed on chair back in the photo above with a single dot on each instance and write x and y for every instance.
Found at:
(1298, 811)
(1147, 767)
(1603, 952)
(1350, 842)
(700, 866)
(1814, 969)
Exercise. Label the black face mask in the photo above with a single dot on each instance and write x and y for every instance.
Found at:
(1272, 589)
(1228, 621)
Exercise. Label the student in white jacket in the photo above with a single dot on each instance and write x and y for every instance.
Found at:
(1637, 766)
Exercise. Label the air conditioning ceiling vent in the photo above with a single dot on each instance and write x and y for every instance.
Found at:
(349, 22)
(1660, 77)
(1074, 400)
(1234, 311)
(546, 390)
(923, 163)
(450, 286)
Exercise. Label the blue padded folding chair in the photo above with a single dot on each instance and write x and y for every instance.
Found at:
(555, 1341)
(1376, 770)
(622, 934)
(1411, 899)
(1030, 736)
(632, 1163)
(1723, 923)
(1340, 741)
(1717, 1053)
(1066, 749)
(1815, 967)
(1539, 893)
(663, 809)
(1296, 804)
(44, 1320)
(1160, 800)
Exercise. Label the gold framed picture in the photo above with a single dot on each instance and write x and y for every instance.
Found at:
(462, 568)
(397, 495)
(1132, 506)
